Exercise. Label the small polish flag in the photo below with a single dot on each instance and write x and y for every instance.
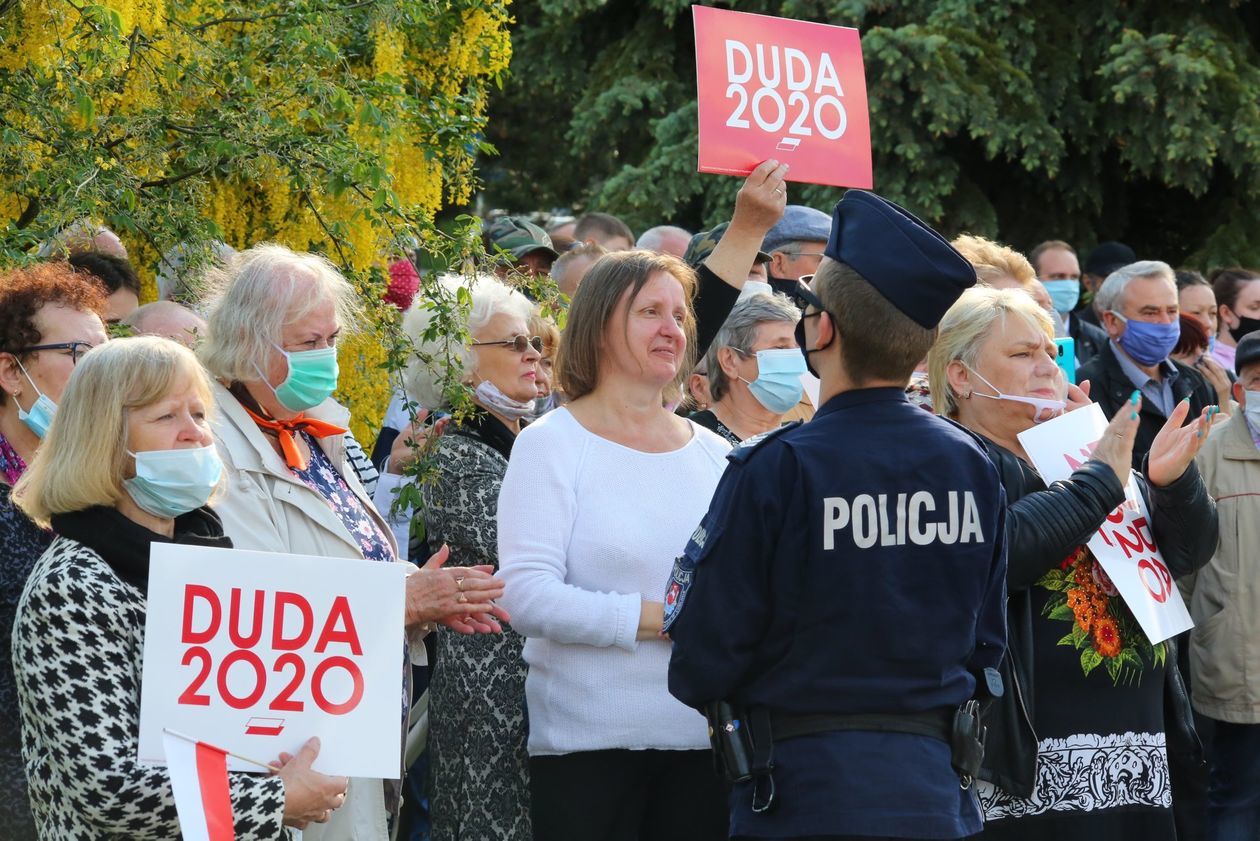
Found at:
(199, 781)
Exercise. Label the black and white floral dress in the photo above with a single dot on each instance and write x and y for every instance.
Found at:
(78, 643)
(479, 787)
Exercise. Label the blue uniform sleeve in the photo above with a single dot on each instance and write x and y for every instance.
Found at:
(720, 624)
(991, 620)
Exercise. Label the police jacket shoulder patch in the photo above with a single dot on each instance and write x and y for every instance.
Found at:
(748, 446)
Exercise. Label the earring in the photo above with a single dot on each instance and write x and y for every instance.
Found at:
(967, 396)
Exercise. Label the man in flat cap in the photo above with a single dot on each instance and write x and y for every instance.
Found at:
(795, 244)
(839, 612)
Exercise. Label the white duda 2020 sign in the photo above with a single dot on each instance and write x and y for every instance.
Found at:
(255, 652)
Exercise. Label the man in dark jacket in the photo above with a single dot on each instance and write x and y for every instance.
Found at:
(1139, 311)
(1060, 272)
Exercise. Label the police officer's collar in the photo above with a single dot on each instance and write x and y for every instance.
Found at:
(862, 397)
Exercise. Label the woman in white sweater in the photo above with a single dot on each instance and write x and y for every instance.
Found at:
(599, 498)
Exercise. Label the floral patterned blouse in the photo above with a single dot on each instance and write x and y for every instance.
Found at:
(321, 477)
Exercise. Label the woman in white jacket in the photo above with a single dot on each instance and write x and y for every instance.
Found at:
(275, 316)
(599, 497)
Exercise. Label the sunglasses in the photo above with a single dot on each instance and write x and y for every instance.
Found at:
(518, 344)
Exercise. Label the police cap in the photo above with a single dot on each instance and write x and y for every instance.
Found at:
(910, 264)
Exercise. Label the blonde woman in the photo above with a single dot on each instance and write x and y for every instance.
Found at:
(128, 461)
(1076, 745)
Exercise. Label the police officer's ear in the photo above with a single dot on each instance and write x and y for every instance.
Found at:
(959, 379)
(827, 333)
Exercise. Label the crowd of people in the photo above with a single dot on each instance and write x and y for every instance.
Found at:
(707, 495)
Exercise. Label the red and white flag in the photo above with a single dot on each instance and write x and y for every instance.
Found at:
(199, 780)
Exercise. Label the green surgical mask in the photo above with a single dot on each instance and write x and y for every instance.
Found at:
(312, 378)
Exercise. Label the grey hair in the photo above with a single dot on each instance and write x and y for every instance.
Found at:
(739, 331)
(253, 297)
(424, 375)
(792, 248)
(1111, 293)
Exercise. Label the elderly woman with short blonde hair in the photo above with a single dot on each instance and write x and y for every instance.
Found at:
(275, 317)
(1084, 686)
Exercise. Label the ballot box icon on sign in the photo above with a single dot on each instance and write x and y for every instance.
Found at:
(258, 726)
(788, 144)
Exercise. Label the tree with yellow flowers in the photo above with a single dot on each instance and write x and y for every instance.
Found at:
(340, 127)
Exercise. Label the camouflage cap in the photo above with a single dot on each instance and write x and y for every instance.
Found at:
(703, 243)
(518, 237)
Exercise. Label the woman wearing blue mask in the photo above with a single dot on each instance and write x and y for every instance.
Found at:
(49, 317)
(273, 328)
(1082, 715)
(755, 369)
(478, 764)
(128, 461)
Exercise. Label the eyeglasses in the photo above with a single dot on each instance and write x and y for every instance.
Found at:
(518, 344)
(77, 349)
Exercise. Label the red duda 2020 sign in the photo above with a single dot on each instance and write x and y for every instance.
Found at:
(784, 89)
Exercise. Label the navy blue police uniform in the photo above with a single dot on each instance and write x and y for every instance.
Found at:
(852, 565)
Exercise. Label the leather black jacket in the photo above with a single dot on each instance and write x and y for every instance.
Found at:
(1043, 525)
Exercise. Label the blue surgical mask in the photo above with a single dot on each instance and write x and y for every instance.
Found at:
(1149, 343)
(1211, 345)
(173, 482)
(311, 380)
(778, 384)
(1064, 294)
(40, 416)
(1044, 409)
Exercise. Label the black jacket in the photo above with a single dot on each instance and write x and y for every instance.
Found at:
(1111, 388)
(1043, 526)
(1090, 339)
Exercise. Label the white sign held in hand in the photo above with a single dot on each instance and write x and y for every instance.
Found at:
(255, 652)
(1125, 544)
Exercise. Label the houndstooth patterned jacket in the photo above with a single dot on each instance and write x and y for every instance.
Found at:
(77, 649)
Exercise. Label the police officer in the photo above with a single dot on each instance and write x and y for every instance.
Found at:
(845, 592)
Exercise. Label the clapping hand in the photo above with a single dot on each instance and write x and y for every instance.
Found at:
(1115, 448)
(461, 598)
(1176, 446)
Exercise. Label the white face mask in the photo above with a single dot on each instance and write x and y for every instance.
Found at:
(1044, 409)
(489, 395)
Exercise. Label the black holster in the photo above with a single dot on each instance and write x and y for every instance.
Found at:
(743, 749)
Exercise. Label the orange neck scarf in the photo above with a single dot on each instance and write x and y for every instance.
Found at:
(284, 430)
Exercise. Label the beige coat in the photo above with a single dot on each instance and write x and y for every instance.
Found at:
(269, 509)
(1225, 642)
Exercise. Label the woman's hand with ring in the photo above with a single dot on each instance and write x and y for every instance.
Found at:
(435, 594)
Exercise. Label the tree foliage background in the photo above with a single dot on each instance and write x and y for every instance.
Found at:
(340, 126)
(1078, 120)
